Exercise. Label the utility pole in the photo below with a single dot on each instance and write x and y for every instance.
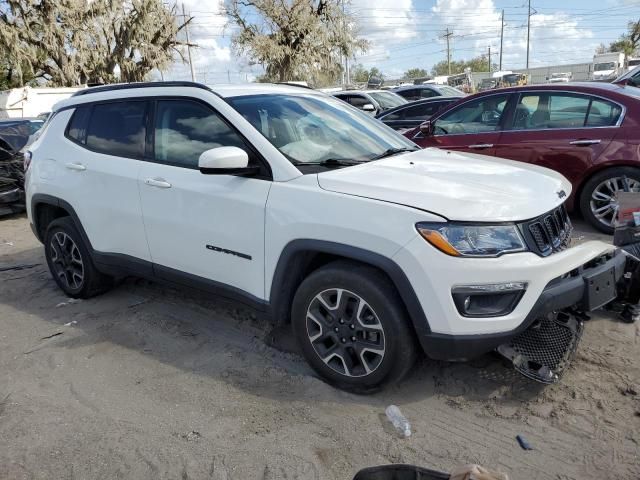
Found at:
(489, 58)
(501, 38)
(528, 31)
(346, 57)
(186, 28)
(448, 36)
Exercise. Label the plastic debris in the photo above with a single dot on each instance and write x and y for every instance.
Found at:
(398, 420)
(523, 443)
(70, 301)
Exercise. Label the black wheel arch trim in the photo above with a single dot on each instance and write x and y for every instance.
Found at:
(385, 264)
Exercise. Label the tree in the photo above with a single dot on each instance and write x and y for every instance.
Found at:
(70, 42)
(416, 73)
(359, 74)
(477, 64)
(629, 43)
(294, 39)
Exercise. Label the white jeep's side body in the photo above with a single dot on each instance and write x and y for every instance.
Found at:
(255, 238)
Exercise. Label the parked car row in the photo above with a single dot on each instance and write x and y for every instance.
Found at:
(588, 132)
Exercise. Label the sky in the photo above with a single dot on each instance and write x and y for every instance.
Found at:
(403, 34)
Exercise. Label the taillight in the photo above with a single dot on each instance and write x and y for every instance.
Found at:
(27, 160)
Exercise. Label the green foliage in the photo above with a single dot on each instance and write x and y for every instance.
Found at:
(71, 42)
(628, 43)
(416, 73)
(477, 64)
(294, 39)
(359, 74)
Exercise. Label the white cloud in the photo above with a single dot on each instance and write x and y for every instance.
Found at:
(554, 39)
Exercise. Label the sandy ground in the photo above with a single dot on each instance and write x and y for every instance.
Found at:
(151, 382)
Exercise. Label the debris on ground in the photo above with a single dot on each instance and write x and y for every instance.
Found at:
(70, 301)
(68, 324)
(398, 420)
(523, 443)
(192, 436)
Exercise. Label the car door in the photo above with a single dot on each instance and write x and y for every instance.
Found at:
(473, 126)
(100, 174)
(203, 228)
(560, 130)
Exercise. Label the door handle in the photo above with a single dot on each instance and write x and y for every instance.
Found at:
(157, 182)
(481, 145)
(585, 143)
(76, 166)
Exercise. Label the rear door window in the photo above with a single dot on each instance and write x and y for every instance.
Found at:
(118, 128)
(536, 111)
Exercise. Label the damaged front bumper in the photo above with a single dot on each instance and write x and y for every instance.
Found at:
(557, 313)
(544, 348)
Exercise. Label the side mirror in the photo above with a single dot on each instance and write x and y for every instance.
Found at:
(426, 128)
(369, 107)
(225, 161)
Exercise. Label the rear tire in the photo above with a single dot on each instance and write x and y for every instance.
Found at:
(597, 203)
(70, 262)
(352, 327)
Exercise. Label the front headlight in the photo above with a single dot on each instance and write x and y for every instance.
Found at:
(460, 240)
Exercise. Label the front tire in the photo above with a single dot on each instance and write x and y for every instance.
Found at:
(352, 327)
(70, 263)
(598, 204)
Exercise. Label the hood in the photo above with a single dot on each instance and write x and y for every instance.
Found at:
(457, 186)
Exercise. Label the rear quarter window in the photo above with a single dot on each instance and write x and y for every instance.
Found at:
(77, 128)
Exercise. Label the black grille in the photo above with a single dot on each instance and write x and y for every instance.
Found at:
(544, 350)
(548, 233)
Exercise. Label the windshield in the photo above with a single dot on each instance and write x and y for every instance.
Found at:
(634, 63)
(599, 67)
(559, 75)
(388, 100)
(315, 128)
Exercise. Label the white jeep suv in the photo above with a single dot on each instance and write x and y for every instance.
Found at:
(300, 205)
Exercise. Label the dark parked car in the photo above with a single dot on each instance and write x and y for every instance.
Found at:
(371, 101)
(14, 134)
(417, 92)
(412, 114)
(589, 132)
(631, 78)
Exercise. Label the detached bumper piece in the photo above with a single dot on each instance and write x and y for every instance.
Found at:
(544, 350)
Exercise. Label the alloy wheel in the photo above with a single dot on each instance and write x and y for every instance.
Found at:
(345, 332)
(67, 260)
(603, 202)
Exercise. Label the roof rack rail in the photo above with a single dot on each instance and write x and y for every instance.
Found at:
(125, 86)
(295, 84)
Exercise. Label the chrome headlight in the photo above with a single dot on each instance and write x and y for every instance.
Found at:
(462, 240)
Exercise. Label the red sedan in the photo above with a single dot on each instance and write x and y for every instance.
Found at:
(589, 132)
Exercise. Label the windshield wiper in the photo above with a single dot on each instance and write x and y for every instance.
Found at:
(394, 151)
(330, 162)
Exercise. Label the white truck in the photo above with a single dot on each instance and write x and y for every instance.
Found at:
(607, 66)
(632, 63)
(32, 101)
